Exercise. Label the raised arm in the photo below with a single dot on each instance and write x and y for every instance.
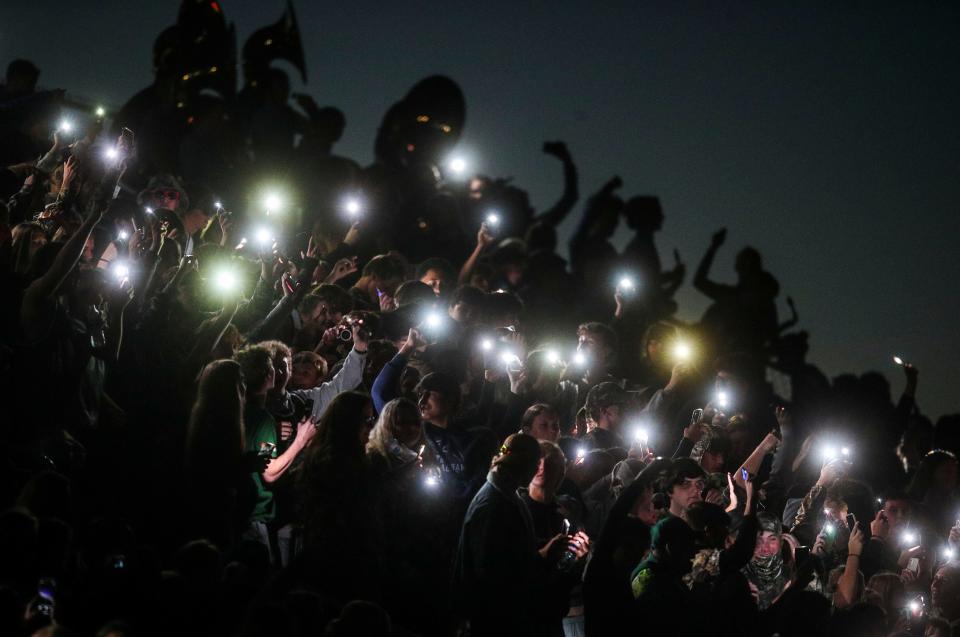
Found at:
(484, 240)
(571, 191)
(701, 280)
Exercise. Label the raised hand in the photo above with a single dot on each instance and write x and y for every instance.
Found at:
(484, 238)
(557, 149)
(342, 268)
(415, 342)
(718, 238)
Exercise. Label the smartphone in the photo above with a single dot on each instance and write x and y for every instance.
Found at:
(913, 565)
(696, 416)
(745, 475)
(267, 449)
(801, 554)
(851, 521)
(126, 135)
(566, 526)
(308, 407)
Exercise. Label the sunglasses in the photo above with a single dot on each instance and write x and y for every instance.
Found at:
(166, 194)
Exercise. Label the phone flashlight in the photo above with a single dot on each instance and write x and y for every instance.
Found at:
(225, 280)
(431, 481)
(828, 528)
(457, 165)
(898, 360)
(272, 202)
(101, 112)
(121, 271)
(553, 358)
(432, 321)
(642, 436)
(626, 284)
(580, 359)
(111, 154)
(263, 236)
(949, 553)
(65, 126)
(908, 538)
(148, 210)
(493, 220)
(486, 344)
(682, 351)
(723, 399)
(217, 205)
(122, 235)
(352, 206)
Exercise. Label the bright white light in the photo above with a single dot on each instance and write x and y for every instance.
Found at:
(682, 351)
(458, 165)
(149, 210)
(580, 359)
(553, 358)
(829, 452)
(111, 154)
(845, 451)
(272, 202)
(486, 344)
(121, 271)
(626, 283)
(948, 553)
(65, 126)
(432, 320)
(352, 207)
(828, 528)
(641, 435)
(122, 235)
(101, 111)
(898, 360)
(509, 358)
(431, 481)
(225, 280)
(493, 219)
(914, 607)
(217, 205)
(908, 538)
(879, 500)
(263, 236)
(723, 399)
(581, 452)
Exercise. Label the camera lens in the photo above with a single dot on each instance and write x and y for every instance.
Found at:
(345, 335)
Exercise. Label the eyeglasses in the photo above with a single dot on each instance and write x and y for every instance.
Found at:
(166, 194)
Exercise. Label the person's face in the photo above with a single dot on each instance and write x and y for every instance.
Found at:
(897, 513)
(462, 313)
(612, 415)
(590, 346)
(304, 376)
(686, 493)
(945, 591)
(513, 274)
(768, 544)
(167, 199)
(324, 316)
(437, 280)
(407, 428)
(712, 461)
(643, 508)
(656, 351)
(432, 406)
(281, 372)
(387, 286)
(37, 240)
(539, 479)
(545, 426)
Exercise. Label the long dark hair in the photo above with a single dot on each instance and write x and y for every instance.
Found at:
(215, 436)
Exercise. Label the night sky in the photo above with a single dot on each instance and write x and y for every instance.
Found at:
(826, 136)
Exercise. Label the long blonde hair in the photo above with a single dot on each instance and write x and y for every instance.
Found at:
(383, 434)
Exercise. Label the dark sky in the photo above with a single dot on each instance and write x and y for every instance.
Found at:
(824, 135)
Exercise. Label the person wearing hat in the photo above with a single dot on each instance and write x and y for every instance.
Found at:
(606, 405)
(504, 582)
(685, 483)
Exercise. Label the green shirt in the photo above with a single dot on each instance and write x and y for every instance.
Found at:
(260, 428)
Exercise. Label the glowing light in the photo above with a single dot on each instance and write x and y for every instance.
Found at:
(914, 607)
(949, 553)
(225, 280)
(122, 235)
(845, 451)
(431, 481)
(828, 528)
(121, 271)
(581, 452)
(352, 206)
(148, 210)
(580, 359)
(101, 111)
(217, 205)
(723, 399)
(486, 344)
(641, 435)
(898, 360)
(263, 236)
(111, 154)
(908, 538)
(493, 219)
(65, 126)
(553, 357)
(626, 283)
(272, 202)
(682, 351)
(829, 452)
(458, 165)
(509, 358)
(432, 320)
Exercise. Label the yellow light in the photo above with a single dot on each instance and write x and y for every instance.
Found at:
(682, 351)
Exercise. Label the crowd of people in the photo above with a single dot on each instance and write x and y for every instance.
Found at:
(253, 388)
